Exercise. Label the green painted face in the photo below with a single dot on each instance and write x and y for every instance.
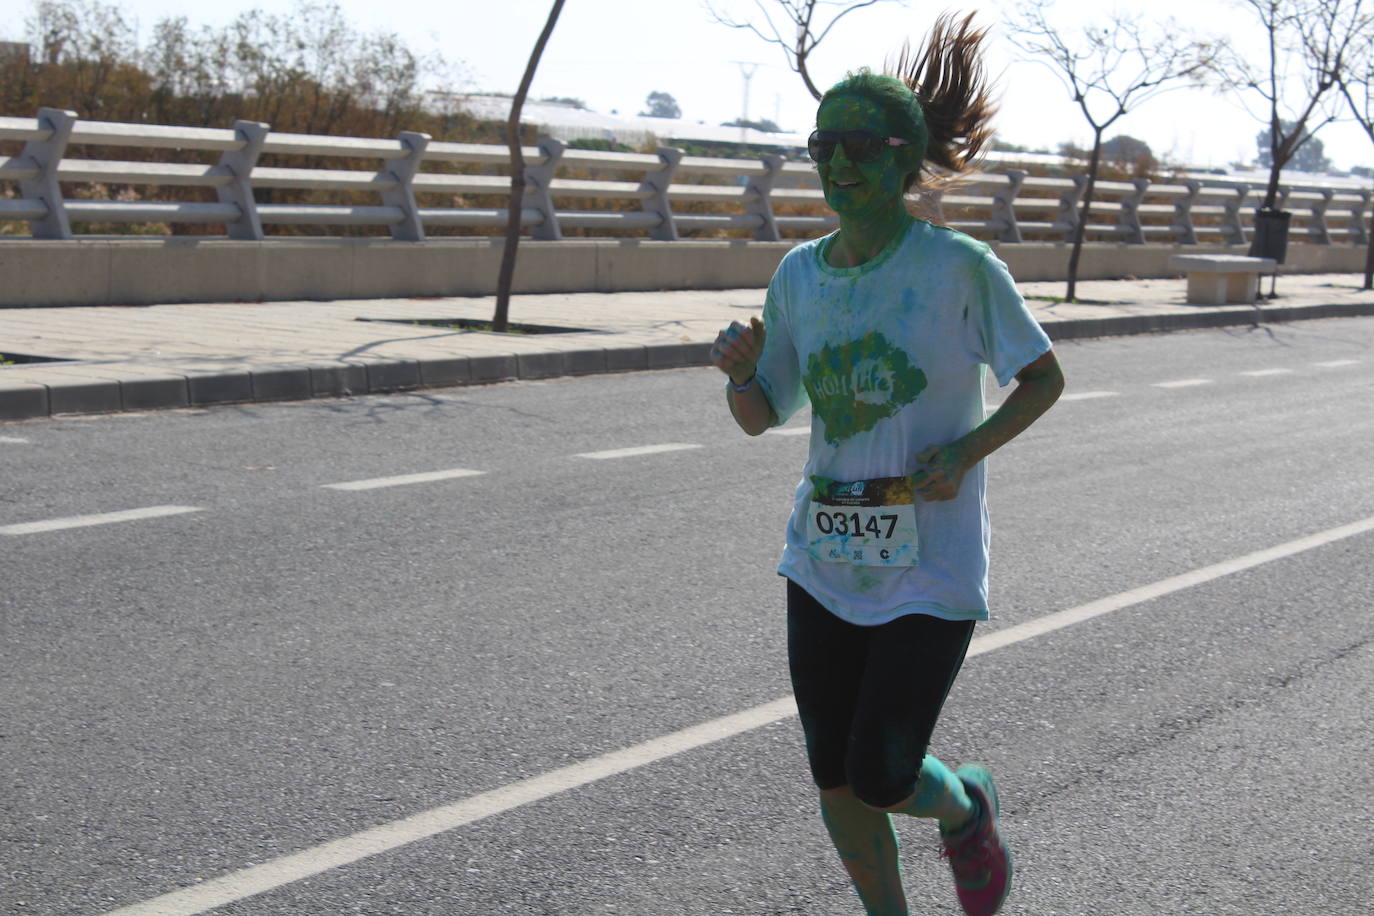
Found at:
(858, 190)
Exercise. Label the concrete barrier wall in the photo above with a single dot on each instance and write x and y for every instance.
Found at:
(141, 271)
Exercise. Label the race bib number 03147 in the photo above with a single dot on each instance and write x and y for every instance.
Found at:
(863, 522)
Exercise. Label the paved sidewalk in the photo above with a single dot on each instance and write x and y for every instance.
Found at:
(140, 358)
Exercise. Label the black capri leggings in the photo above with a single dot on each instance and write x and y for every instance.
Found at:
(869, 697)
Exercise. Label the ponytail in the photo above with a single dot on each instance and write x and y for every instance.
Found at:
(948, 78)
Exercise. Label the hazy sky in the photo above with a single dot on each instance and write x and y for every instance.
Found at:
(613, 53)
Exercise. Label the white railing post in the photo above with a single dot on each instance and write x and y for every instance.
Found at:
(1132, 229)
(1319, 231)
(1185, 233)
(1358, 234)
(537, 181)
(239, 190)
(1066, 219)
(1004, 206)
(656, 184)
(759, 204)
(47, 154)
(403, 169)
(1232, 227)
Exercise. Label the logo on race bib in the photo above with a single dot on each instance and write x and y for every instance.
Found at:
(855, 385)
(863, 522)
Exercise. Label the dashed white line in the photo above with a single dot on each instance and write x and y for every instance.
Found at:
(790, 431)
(13, 440)
(1258, 373)
(637, 450)
(401, 480)
(1336, 363)
(104, 518)
(275, 873)
(1183, 383)
(1088, 395)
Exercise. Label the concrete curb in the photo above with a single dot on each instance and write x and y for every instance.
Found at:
(1252, 315)
(102, 390)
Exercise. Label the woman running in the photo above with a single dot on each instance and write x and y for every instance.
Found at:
(884, 326)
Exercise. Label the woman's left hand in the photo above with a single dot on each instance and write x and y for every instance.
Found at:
(939, 473)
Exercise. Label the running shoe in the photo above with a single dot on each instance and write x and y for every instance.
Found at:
(979, 858)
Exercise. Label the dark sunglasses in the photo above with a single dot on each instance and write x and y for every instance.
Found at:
(859, 145)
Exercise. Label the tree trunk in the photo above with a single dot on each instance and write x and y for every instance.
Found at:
(1369, 259)
(806, 77)
(1080, 231)
(516, 205)
(1278, 158)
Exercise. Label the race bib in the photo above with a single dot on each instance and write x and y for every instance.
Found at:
(863, 522)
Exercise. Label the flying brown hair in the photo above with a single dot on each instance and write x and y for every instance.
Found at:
(948, 77)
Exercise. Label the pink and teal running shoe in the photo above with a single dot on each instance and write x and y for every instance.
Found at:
(979, 858)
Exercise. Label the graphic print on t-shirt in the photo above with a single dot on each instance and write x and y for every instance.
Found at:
(856, 384)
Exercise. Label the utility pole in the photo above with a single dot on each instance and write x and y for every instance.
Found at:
(746, 70)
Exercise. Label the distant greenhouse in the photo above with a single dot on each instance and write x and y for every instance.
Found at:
(567, 122)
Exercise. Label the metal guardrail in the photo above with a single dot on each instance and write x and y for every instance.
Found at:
(1009, 206)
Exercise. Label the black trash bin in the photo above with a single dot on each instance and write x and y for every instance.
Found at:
(1271, 234)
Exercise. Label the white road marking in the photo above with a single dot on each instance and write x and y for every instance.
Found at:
(104, 518)
(1256, 373)
(1183, 383)
(275, 873)
(637, 450)
(790, 431)
(1088, 395)
(13, 440)
(1060, 619)
(401, 480)
(1332, 364)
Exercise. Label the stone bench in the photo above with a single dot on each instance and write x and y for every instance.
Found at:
(1217, 279)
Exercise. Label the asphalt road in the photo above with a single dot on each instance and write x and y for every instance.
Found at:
(190, 695)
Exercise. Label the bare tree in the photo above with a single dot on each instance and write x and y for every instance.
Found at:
(1109, 70)
(793, 25)
(1308, 43)
(516, 206)
(92, 41)
(1357, 87)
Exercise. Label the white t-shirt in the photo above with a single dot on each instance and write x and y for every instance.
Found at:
(890, 355)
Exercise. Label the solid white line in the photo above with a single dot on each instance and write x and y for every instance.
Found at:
(1183, 383)
(13, 440)
(277, 872)
(1060, 619)
(637, 450)
(1256, 373)
(1088, 395)
(1338, 362)
(273, 874)
(104, 518)
(402, 479)
(791, 431)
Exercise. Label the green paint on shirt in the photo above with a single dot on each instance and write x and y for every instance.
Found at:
(856, 384)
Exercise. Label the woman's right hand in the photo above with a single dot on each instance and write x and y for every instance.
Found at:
(737, 350)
